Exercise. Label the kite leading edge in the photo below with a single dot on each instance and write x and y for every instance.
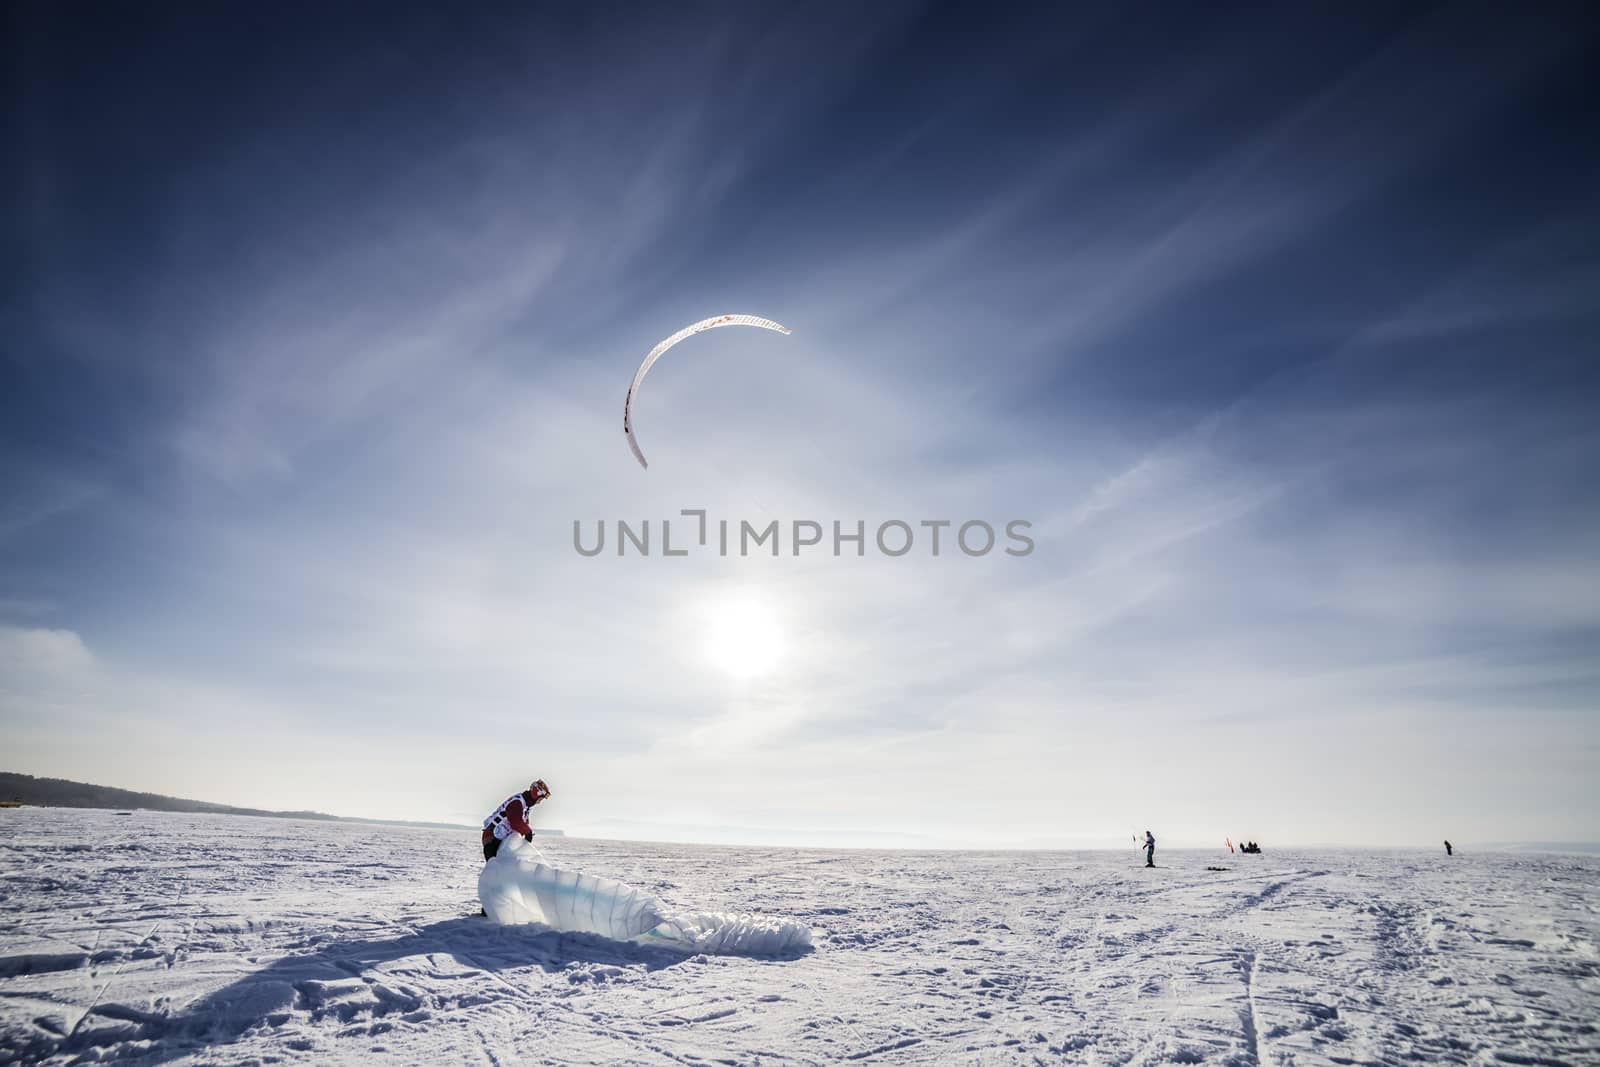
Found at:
(660, 349)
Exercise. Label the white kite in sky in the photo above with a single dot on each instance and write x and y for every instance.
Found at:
(661, 348)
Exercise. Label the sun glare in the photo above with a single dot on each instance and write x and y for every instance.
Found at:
(743, 637)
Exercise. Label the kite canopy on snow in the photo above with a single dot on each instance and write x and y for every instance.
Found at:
(515, 887)
(656, 353)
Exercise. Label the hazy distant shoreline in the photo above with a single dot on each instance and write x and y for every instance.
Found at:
(65, 793)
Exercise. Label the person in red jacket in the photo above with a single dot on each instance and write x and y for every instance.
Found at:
(512, 817)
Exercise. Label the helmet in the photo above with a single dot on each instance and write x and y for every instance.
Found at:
(539, 790)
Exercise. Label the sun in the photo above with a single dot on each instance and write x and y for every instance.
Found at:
(743, 637)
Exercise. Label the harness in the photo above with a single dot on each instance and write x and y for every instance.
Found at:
(492, 822)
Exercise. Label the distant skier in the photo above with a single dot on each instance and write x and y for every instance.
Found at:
(1149, 849)
(1448, 851)
(511, 817)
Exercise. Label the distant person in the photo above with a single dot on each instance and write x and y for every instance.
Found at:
(1448, 851)
(1149, 849)
(512, 817)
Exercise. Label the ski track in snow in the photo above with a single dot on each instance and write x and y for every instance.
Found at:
(163, 938)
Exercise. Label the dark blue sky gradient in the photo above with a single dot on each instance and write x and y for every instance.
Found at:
(1281, 308)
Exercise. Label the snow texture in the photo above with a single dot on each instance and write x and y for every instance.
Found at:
(163, 938)
(517, 888)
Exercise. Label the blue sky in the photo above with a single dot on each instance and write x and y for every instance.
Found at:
(1278, 326)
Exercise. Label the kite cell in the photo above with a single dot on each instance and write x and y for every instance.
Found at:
(516, 888)
(660, 349)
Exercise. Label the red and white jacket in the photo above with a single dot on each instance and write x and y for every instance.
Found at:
(509, 818)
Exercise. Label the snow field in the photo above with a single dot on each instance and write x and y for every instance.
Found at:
(155, 938)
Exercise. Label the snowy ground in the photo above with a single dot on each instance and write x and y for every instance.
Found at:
(156, 937)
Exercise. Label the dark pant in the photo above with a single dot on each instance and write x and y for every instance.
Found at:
(491, 845)
(1150, 856)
